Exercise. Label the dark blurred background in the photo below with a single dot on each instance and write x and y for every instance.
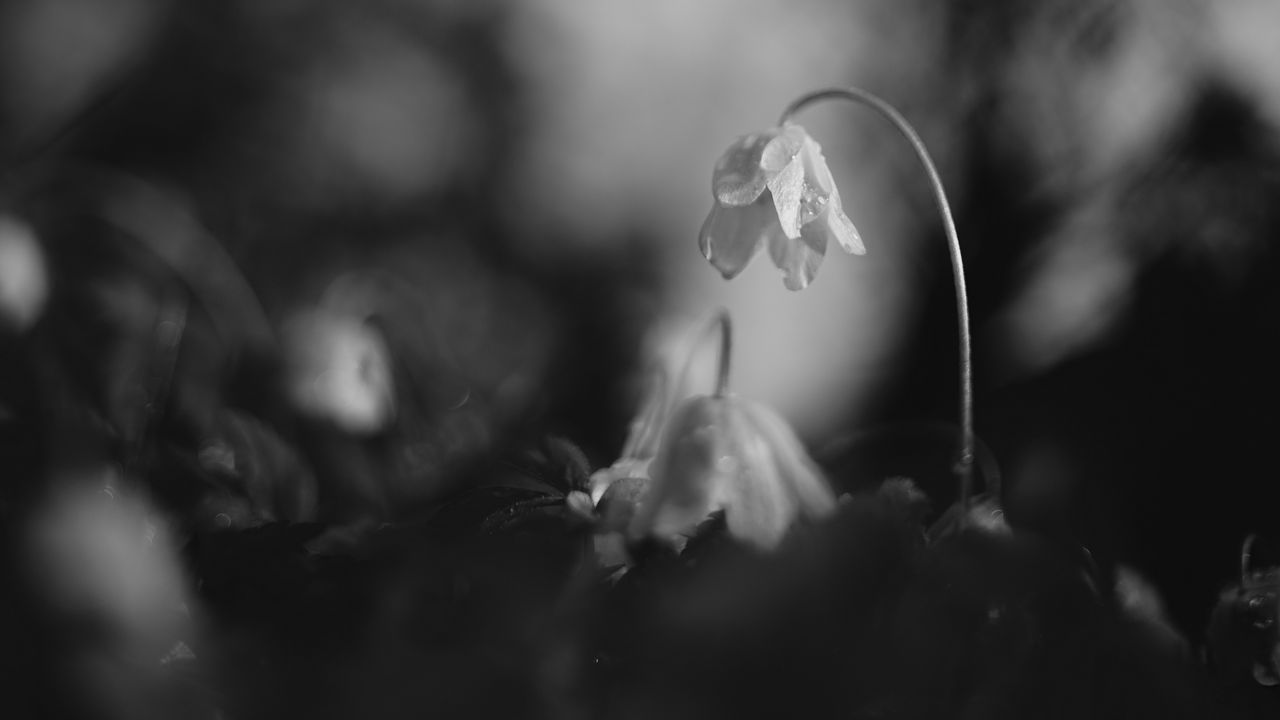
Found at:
(362, 245)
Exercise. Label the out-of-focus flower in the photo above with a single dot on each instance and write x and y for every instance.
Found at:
(725, 453)
(339, 369)
(708, 454)
(24, 281)
(774, 187)
(94, 551)
(108, 584)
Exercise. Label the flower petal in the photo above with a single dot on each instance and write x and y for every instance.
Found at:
(624, 469)
(799, 259)
(725, 453)
(731, 236)
(758, 507)
(785, 145)
(803, 480)
(684, 472)
(787, 188)
(841, 227)
(738, 178)
(816, 172)
(617, 506)
(821, 202)
(744, 170)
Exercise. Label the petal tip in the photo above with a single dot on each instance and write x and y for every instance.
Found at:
(731, 236)
(795, 282)
(728, 273)
(845, 233)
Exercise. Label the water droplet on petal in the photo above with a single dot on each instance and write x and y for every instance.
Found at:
(812, 202)
(845, 233)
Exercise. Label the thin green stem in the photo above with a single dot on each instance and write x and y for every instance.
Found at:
(964, 466)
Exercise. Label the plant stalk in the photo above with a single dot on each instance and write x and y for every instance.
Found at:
(964, 465)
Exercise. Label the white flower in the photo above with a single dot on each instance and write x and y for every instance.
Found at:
(774, 187)
(724, 453)
(339, 369)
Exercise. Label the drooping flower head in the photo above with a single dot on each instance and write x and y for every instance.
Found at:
(726, 453)
(708, 453)
(338, 368)
(774, 188)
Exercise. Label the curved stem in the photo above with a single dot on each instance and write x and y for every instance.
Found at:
(1246, 557)
(726, 349)
(724, 324)
(646, 430)
(964, 466)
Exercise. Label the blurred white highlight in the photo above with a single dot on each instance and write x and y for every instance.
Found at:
(24, 277)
